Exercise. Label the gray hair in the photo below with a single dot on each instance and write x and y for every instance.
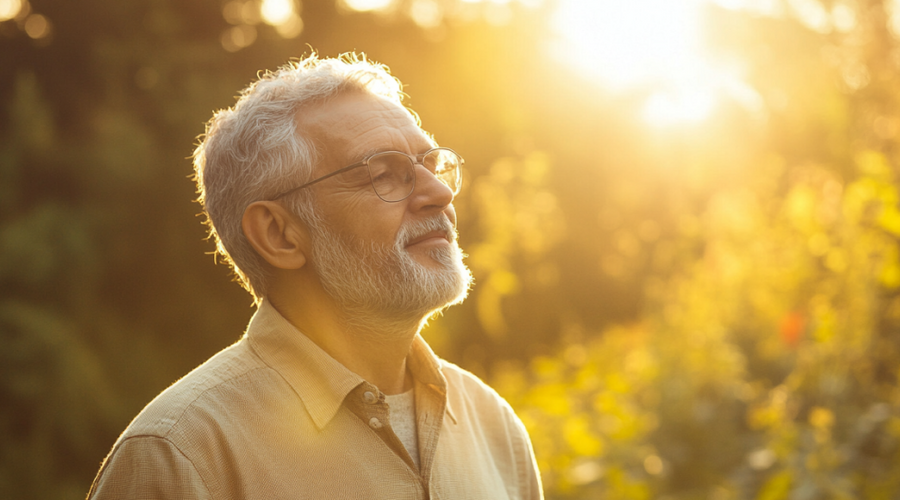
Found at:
(253, 151)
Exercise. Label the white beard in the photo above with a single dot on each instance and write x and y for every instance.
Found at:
(380, 286)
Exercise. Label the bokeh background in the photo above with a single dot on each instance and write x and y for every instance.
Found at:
(682, 216)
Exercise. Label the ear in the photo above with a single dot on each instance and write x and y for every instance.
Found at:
(278, 236)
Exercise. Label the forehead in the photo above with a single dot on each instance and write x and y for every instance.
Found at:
(350, 126)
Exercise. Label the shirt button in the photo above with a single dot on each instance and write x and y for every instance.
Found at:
(375, 423)
(369, 397)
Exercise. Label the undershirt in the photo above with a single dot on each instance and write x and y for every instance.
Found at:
(403, 421)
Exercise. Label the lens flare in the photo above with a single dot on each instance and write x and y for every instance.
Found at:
(231, 11)
(291, 28)
(277, 12)
(9, 9)
(426, 13)
(238, 37)
(653, 45)
(37, 26)
(628, 42)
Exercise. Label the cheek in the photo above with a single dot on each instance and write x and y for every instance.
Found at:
(377, 222)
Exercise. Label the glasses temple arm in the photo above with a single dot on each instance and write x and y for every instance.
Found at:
(320, 179)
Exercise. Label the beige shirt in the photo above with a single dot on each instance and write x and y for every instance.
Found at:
(275, 417)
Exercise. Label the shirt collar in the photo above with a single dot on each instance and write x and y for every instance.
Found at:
(425, 368)
(322, 382)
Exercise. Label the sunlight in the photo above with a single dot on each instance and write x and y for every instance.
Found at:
(628, 42)
(426, 13)
(276, 12)
(9, 9)
(680, 105)
(368, 5)
(640, 42)
(37, 26)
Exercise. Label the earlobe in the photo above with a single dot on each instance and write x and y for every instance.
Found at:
(276, 235)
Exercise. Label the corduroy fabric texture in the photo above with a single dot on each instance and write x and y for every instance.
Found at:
(275, 417)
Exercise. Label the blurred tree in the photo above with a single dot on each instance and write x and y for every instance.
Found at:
(765, 362)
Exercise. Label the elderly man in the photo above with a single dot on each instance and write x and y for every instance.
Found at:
(335, 209)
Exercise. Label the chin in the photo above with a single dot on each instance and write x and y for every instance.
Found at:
(455, 282)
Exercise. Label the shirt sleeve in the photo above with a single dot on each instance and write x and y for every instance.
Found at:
(148, 467)
(529, 475)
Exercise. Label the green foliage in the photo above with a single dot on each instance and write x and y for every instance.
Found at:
(768, 370)
(520, 222)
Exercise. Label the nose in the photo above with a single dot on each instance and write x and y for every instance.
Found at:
(430, 194)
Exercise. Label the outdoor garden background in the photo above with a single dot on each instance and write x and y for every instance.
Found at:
(682, 217)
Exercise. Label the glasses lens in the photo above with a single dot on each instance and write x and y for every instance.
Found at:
(392, 176)
(445, 165)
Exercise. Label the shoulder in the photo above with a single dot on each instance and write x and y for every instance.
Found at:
(462, 379)
(207, 388)
(476, 406)
(161, 454)
(148, 467)
(468, 394)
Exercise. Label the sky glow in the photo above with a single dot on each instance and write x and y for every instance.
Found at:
(639, 42)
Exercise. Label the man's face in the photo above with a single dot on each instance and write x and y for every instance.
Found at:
(372, 256)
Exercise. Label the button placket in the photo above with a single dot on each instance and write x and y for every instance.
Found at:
(374, 409)
(369, 404)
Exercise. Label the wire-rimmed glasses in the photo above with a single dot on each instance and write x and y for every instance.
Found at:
(393, 173)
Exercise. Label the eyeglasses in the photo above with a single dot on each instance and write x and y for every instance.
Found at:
(393, 173)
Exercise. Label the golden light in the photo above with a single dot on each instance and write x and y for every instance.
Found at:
(653, 465)
(498, 13)
(654, 45)
(892, 9)
(368, 5)
(277, 12)
(231, 11)
(9, 9)
(771, 8)
(680, 105)
(290, 28)
(238, 37)
(426, 13)
(625, 43)
(37, 26)
(283, 15)
(250, 13)
(843, 17)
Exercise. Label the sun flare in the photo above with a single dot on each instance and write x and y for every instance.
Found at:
(652, 43)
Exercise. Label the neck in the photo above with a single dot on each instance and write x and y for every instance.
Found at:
(373, 348)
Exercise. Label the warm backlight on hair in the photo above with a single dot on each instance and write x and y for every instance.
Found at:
(640, 42)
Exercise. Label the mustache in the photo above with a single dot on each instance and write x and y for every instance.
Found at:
(415, 229)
